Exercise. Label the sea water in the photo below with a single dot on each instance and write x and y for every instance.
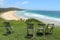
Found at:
(38, 14)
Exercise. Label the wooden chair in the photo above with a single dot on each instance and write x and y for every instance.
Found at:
(40, 29)
(30, 29)
(8, 27)
(49, 28)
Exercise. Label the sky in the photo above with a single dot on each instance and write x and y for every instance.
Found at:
(32, 4)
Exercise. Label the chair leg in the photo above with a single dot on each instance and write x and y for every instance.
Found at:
(30, 35)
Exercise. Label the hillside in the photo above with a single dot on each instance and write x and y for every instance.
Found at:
(20, 31)
(9, 9)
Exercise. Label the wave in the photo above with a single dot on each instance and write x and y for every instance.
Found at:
(35, 15)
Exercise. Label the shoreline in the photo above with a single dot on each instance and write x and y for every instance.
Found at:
(10, 15)
(50, 21)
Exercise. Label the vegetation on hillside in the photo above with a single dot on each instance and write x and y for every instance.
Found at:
(20, 27)
(9, 9)
(33, 20)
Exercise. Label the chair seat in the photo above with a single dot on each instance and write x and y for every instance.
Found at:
(40, 28)
(49, 27)
(30, 29)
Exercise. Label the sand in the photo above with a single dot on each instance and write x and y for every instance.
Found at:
(51, 21)
(10, 15)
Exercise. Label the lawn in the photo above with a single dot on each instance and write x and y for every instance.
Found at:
(19, 33)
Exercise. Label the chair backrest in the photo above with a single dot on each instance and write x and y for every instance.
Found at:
(41, 25)
(7, 24)
(30, 26)
(50, 26)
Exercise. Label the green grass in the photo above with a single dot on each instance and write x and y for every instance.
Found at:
(19, 28)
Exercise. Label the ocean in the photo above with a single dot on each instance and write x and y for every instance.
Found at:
(37, 14)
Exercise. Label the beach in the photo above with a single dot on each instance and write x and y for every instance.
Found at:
(51, 21)
(10, 15)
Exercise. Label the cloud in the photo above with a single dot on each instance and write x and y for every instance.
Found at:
(20, 3)
(25, 2)
(2, 2)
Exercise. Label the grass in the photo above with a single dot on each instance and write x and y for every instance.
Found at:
(19, 28)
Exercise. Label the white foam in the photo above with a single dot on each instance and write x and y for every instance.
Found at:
(36, 16)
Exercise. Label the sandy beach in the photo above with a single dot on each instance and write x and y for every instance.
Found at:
(10, 15)
(51, 21)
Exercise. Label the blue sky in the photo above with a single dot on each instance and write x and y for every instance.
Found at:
(32, 4)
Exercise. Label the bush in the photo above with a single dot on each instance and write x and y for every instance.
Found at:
(33, 20)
